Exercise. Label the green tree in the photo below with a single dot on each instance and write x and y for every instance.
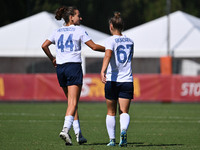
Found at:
(96, 13)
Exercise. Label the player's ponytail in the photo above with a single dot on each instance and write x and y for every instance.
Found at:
(117, 21)
(59, 12)
(117, 14)
(64, 12)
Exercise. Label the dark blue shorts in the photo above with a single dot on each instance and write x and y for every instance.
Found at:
(69, 74)
(115, 90)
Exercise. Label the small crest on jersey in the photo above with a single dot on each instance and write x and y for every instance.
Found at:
(86, 33)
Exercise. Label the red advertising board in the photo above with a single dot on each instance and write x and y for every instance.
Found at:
(150, 87)
(186, 89)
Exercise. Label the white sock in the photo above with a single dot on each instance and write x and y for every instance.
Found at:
(124, 121)
(76, 127)
(110, 124)
(68, 122)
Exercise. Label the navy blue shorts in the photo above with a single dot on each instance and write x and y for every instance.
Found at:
(69, 74)
(115, 90)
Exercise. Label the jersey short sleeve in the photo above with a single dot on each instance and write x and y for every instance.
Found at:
(84, 35)
(109, 44)
(52, 37)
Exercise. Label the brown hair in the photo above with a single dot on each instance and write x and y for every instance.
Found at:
(117, 21)
(64, 12)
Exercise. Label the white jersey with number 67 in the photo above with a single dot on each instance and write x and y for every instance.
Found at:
(119, 68)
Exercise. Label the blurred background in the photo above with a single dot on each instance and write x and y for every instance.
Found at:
(18, 15)
(166, 37)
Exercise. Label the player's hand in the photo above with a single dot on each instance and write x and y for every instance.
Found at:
(103, 77)
(54, 62)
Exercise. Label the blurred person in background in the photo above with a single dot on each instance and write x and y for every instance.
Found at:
(67, 40)
(116, 73)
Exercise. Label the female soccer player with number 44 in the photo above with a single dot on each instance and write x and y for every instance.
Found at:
(116, 73)
(68, 40)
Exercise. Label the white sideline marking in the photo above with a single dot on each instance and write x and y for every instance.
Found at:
(170, 117)
(32, 121)
(176, 119)
(25, 114)
(134, 121)
(151, 117)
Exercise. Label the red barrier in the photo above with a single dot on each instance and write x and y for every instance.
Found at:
(45, 87)
(153, 88)
(186, 89)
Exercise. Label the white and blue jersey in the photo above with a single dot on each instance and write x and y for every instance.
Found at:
(68, 43)
(119, 68)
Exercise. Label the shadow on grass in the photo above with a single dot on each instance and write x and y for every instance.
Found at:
(150, 144)
(138, 144)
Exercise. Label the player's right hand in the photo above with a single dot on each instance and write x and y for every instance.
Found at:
(54, 62)
(103, 77)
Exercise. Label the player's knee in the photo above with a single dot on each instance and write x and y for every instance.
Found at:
(123, 111)
(111, 113)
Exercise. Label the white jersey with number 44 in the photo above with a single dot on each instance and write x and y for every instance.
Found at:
(119, 68)
(68, 43)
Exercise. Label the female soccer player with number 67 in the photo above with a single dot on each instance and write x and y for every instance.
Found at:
(116, 73)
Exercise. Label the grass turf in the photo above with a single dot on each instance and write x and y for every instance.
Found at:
(153, 126)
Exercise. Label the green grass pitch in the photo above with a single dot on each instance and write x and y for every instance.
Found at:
(153, 126)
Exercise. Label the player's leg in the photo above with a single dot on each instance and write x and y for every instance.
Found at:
(73, 94)
(111, 101)
(125, 96)
(76, 124)
(124, 105)
(77, 130)
(110, 120)
(64, 134)
(73, 98)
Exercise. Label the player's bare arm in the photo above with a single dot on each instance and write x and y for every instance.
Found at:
(45, 47)
(94, 46)
(106, 61)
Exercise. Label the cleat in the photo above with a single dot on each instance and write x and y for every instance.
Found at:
(66, 137)
(123, 139)
(80, 139)
(111, 143)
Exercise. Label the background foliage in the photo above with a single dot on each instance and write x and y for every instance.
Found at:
(96, 13)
